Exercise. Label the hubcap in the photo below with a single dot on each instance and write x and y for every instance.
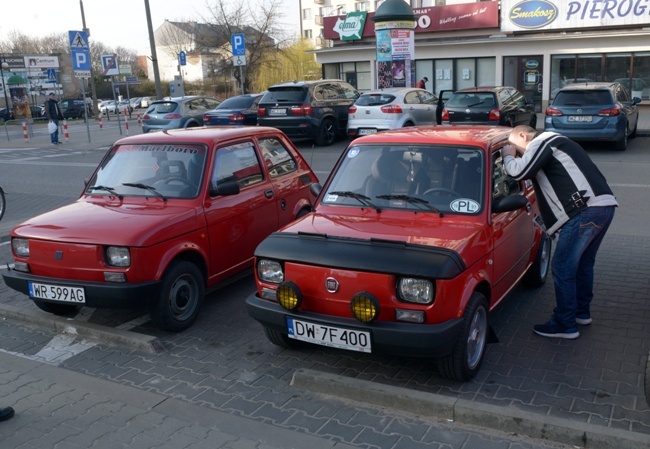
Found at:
(476, 337)
(183, 298)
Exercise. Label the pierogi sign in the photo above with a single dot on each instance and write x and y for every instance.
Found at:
(561, 14)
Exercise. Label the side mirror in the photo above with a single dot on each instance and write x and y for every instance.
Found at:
(509, 203)
(636, 100)
(315, 189)
(227, 188)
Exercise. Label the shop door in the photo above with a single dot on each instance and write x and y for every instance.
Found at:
(525, 74)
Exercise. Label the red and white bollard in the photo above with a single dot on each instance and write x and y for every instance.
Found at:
(126, 123)
(65, 130)
(101, 125)
(25, 134)
(139, 119)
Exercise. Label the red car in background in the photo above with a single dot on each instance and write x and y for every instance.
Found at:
(164, 217)
(416, 237)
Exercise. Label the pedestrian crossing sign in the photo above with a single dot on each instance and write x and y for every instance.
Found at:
(78, 40)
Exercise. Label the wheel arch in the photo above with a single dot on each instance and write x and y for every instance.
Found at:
(190, 254)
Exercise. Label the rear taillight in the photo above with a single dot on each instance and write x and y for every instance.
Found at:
(236, 118)
(352, 110)
(551, 112)
(391, 109)
(261, 111)
(495, 114)
(303, 109)
(206, 118)
(609, 112)
(171, 116)
(445, 115)
(146, 117)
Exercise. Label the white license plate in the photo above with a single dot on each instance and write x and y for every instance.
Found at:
(334, 337)
(366, 131)
(63, 293)
(580, 118)
(277, 112)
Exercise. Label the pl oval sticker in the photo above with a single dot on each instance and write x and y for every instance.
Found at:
(531, 14)
(464, 206)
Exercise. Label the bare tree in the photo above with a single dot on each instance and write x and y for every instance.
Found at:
(175, 37)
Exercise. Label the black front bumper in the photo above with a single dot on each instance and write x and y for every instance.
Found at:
(97, 294)
(408, 339)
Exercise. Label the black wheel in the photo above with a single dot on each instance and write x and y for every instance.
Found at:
(621, 145)
(3, 203)
(326, 133)
(441, 190)
(58, 309)
(636, 126)
(467, 354)
(538, 271)
(180, 298)
(280, 339)
(408, 124)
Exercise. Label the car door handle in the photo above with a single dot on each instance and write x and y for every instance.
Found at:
(269, 193)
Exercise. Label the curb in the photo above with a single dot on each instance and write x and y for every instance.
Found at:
(505, 419)
(91, 331)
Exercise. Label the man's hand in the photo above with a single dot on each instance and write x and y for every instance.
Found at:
(508, 150)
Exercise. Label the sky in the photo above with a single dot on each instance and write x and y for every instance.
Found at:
(112, 22)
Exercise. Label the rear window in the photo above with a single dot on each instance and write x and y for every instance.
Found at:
(285, 94)
(583, 98)
(237, 103)
(162, 108)
(468, 100)
(374, 99)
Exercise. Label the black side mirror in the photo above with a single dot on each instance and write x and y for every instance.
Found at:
(509, 203)
(225, 188)
(315, 189)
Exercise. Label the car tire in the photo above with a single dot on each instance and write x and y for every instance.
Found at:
(280, 339)
(467, 354)
(636, 126)
(621, 145)
(538, 272)
(58, 309)
(180, 297)
(326, 133)
(408, 124)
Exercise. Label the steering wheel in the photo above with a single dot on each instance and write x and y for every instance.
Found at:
(441, 190)
(185, 181)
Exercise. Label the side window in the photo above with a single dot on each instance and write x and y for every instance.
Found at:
(502, 184)
(518, 98)
(277, 159)
(237, 162)
(621, 95)
(505, 97)
(427, 98)
(349, 92)
(411, 98)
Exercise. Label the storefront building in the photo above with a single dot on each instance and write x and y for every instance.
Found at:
(536, 46)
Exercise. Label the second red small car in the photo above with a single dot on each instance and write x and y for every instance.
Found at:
(164, 217)
(416, 237)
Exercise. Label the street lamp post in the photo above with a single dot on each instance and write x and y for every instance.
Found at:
(4, 66)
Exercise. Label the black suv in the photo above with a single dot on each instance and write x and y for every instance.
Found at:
(504, 106)
(310, 109)
(74, 108)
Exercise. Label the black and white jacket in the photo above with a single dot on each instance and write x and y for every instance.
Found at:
(566, 180)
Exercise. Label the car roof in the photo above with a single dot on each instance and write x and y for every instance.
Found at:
(483, 89)
(207, 135)
(391, 90)
(305, 83)
(471, 135)
(590, 85)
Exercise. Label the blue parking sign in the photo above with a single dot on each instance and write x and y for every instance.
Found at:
(238, 44)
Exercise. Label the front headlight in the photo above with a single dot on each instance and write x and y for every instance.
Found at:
(20, 247)
(419, 291)
(118, 256)
(270, 271)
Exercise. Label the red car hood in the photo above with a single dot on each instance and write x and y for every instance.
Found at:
(111, 223)
(467, 238)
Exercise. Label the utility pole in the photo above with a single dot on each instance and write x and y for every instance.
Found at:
(154, 58)
(93, 91)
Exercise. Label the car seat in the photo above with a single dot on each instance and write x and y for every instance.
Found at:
(392, 175)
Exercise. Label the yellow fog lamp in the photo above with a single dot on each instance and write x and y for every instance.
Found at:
(364, 307)
(289, 295)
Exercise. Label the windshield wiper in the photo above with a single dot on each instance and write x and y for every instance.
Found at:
(107, 189)
(139, 185)
(412, 200)
(363, 199)
(475, 104)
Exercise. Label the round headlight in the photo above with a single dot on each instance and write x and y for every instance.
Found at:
(20, 247)
(289, 295)
(270, 271)
(419, 291)
(365, 307)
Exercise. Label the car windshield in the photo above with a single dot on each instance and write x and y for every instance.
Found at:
(427, 178)
(173, 171)
(583, 98)
(162, 108)
(237, 103)
(285, 94)
(468, 100)
(374, 99)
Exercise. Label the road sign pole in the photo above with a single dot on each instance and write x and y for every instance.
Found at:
(83, 93)
(117, 109)
(241, 77)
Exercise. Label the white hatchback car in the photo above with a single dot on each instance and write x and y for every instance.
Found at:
(391, 108)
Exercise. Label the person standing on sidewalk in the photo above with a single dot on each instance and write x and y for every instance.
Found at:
(422, 84)
(6, 413)
(577, 204)
(53, 114)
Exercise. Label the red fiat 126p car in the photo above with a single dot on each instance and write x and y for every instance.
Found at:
(164, 217)
(416, 236)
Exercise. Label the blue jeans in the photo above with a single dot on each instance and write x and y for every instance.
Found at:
(55, 135)
(573, 263)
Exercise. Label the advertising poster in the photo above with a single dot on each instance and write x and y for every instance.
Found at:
(384, 49)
